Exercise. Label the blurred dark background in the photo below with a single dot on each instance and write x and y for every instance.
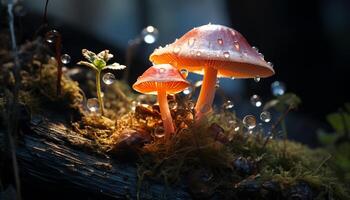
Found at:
(307, 41)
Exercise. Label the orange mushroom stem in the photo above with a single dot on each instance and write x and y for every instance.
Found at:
(207, 93)
(162, 80)
(165, 112)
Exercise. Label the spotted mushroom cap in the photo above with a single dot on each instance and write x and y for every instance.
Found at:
(158, 77)
(215, 46)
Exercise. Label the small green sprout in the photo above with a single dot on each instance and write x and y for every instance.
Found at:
(98, 63)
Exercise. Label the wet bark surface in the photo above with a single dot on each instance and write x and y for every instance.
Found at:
(51, 152)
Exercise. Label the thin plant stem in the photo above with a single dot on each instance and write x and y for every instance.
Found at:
(285, 136)
(98, 88)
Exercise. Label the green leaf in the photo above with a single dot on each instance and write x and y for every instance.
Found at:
(326, 138)
(87, 64)
(283, 102)
(99, 63)
(115, 66)
(339, 122)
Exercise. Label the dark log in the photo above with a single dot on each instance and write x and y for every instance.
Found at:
(53, 153)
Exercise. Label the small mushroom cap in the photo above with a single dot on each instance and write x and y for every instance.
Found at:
(215, 46)
(161, 77)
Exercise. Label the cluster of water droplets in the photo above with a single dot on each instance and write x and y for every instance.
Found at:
(255, 100)
(150, 34)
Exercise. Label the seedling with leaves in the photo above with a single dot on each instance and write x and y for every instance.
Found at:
(98, 63)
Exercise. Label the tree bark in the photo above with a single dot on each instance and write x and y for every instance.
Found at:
(53, 153)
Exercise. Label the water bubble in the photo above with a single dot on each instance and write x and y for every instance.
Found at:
(278, 88)
(159, 132)
(192, 52)
(191, 42)
(257, 79)
(236, 46)
(233, 78)
(236, 128)
(176, 50)
(184, 72)
(198, 53)
(149, 34)
(226, 54)
(217, 85)
(255, 100)
(161, 70)
(187, 91)
(249, 121)
(228, 104)
(92, 104)
(255, 49)
(133, 105)
(198, 83)
(172, 105)
(220, 41)
(265, 116)
(261, 55)
(51, 36)
(270, 63)
(108, 78)
(65, 58)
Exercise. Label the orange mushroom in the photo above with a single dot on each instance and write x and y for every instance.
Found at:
(213, 51)
(162, 80)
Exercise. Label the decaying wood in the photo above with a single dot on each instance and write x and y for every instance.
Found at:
(53, 153)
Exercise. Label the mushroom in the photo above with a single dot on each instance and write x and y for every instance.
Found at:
(162, 80)
(213, 51)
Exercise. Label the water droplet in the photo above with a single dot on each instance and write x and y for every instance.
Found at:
(278, 88)
(226, 54)
(108, 78)
(261, 55)
(176, 50)
(220, 41)
(191, 42)
(92, 104)
(249, 121)
(187, 91)
(233, 78)
(255, 49)
(192, 52)
(159, 132)
(217, 85)
(245, 53)
(51, 36)
(198, 84)
(172, 105)
(257, 79)
(184, 72)
(205, 108)
(255, 100)
(233, 32)
(237, 128)
(228, 104)
(65, 58)
(265, 116)
(236, 45)
(270, 63)
(149, 34)
(198, 53)
(161, 70)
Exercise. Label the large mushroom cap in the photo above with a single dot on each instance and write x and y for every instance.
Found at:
(161, 77)
(216, 46)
